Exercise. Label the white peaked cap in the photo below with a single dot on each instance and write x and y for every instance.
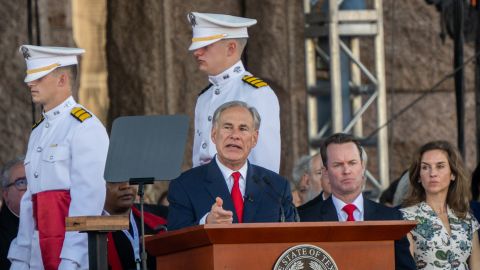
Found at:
(42, 60)
(209, 28)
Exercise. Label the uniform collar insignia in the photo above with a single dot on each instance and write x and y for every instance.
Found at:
(65, 106)
(232, 72)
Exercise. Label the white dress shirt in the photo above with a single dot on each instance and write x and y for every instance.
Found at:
(342, 215)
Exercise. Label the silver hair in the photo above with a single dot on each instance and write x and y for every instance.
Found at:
(5, 173)
(236, 103)
(302, 166)
(364, 156)
(311, 160)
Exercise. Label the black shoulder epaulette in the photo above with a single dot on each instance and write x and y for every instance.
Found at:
(254, 81)
(80, 114)
(38, 122)
(205, 89)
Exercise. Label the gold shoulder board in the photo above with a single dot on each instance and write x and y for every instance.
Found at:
(80, 114)
(254, 81)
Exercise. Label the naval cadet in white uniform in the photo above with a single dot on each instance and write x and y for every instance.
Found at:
(64, 165)
(217, 44)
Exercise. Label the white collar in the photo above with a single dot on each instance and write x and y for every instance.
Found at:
(232, 72)
(227, 172)
(61, 109)
(358, 202)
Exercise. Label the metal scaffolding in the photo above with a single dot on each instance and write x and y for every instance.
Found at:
(354, 26)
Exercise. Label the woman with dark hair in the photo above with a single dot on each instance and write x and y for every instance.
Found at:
(446, 236)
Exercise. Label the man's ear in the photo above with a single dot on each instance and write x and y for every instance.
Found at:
(213, 134)
(232, 47)
(255, 138)
(63, 79)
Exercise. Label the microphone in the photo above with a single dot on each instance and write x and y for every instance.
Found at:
(275, 197)
(295, 212)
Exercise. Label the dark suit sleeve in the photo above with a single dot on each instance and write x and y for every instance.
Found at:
(403, 257)
(288, 204)
(180, 210)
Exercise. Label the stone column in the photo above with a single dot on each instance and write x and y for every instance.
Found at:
(89, 21)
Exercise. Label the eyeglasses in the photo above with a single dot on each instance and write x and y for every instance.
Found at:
(20, 184)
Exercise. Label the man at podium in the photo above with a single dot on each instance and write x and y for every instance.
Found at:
(229, 189)
(343, 160)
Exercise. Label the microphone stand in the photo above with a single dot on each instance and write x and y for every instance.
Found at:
(279, 199)
(141, 182)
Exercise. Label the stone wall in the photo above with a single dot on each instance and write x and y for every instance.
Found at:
(416, 59)
(15, 101)
(15, 106)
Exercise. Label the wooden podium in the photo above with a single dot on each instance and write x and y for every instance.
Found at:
(352, 245)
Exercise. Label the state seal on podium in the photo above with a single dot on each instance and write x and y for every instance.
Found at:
(305, 257)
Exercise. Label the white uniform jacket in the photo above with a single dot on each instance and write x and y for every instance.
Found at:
(64, 153)
(229, 86)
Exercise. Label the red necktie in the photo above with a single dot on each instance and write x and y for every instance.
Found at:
(237, 196)
(349, 209)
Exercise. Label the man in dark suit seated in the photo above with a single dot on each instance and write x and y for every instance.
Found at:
(124, 247)
(229, 189)
(342, 157)
(14, 185)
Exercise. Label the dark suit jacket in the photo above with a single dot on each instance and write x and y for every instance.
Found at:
(306, 208)
(8, 231)
(192, 195)
(325, 211)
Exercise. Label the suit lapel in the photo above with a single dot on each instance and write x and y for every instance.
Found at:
(253, 194)
(217, 187)
(328, 211)
(369, 209)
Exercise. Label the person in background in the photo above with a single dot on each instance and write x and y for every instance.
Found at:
(312, 178)
(124, 247)
(14, 185)
(446, 236)
(300, 178)
(217, 44)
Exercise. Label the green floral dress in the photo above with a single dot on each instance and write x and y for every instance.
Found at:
(434, 247)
